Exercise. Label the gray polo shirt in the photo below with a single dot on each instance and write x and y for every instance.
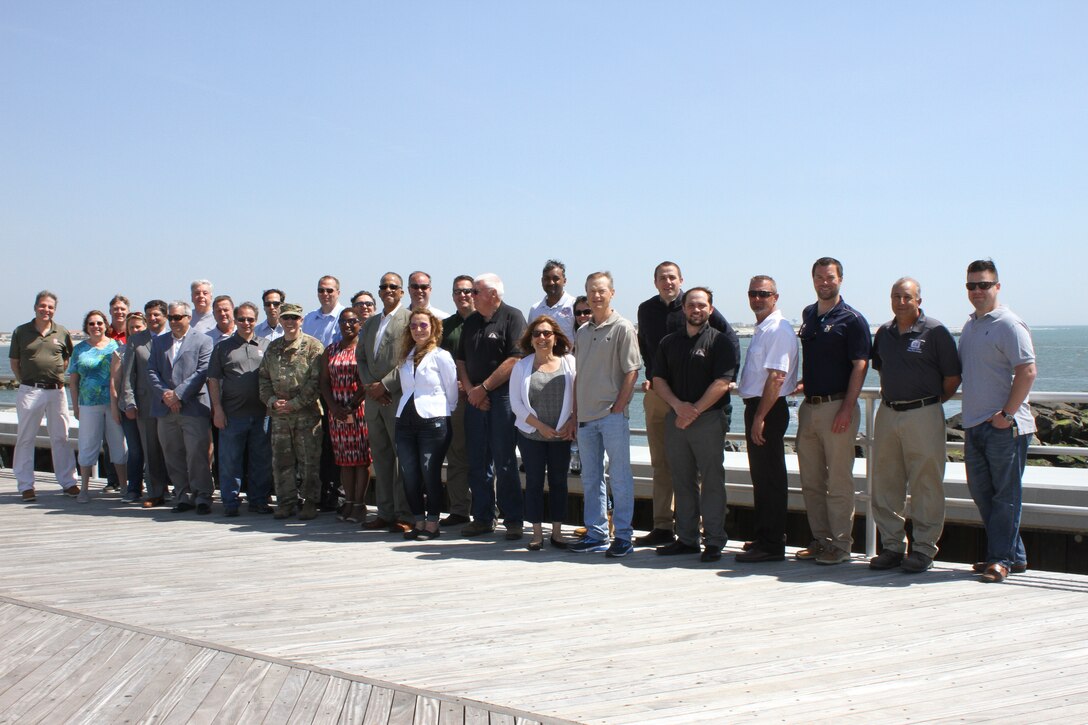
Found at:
(914, 365)
(991, 347)
(234, 364)
(604, 354)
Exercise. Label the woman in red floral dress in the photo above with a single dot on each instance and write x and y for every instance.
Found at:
(347, 427)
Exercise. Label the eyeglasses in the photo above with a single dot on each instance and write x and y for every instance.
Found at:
(362, 303)
(273, 303)
(542, 333)
(479, 291)
(325, 290)
(350, 321)
(582, 313)
(96, 323)
(463, 290)
(972, 286)
(761, 293)
(417, 286)
(176, 318)
(420, 325)
(245, 320)
(393, 287)
(289, 318)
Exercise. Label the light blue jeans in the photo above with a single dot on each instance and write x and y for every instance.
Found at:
(610, 434)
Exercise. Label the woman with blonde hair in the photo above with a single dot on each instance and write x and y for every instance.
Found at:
(542, 399)
(428, 383)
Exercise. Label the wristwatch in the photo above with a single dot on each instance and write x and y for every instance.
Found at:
(1009, 418)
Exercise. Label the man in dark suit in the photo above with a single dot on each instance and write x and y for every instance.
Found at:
(378, 354)
(136, 400)
(178, 370)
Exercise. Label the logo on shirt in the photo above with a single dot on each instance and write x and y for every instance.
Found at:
(827, 328)
(915, 345)
(699, 353)
(493, 336)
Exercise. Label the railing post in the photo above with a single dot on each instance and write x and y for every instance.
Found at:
(870, 523)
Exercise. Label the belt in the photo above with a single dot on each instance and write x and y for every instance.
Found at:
(45, 386)
(901, 405)
(817, 399)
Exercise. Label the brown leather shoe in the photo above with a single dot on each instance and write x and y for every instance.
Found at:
(995, 573)
(29, 495)
(811, 552)
(72, 491)
(399, 527)
(376, 523)
(980, 567)
(153, 502)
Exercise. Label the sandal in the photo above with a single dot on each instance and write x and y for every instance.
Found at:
(351, 518)
(344, 511)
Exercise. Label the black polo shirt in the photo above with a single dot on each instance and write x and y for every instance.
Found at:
(236, 363)
(657, 318)
(689, 364)
(914, 365)
(831, 342)
(485, 344)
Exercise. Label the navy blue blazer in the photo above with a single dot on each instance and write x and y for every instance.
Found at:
(186, 376)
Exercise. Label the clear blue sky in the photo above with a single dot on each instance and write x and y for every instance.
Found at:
(144, 144)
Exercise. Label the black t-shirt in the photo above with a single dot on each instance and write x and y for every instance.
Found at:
(690, 364)
(485, 344)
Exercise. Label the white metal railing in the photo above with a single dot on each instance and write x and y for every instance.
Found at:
(871, 396)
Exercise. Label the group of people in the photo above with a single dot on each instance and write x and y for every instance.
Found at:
(306, 405)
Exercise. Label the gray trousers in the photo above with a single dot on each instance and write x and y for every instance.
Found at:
(698, 452)
(186, 442)
(381, 424)
(155, 473)
(457, 464)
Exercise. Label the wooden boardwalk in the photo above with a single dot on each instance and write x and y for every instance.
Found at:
(109, 613)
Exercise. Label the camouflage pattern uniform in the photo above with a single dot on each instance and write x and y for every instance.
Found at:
(290, 372)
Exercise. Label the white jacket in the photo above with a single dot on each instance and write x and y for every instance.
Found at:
(433, 384)
(519, 392)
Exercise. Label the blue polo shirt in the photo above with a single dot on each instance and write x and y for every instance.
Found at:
(831, 342)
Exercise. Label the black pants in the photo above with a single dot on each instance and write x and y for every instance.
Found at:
(767, 464)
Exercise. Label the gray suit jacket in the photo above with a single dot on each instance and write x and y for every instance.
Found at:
(136, 391)
(186, 375)
(383, 365)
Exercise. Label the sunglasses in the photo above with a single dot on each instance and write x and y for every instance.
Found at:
(350, 321)
(245, 320)
(275, 303)
(542, 333)
(289, 318)
(176, 318)
(761, 293)
(362, 303)
(325, 290)
(393, 287)
(463, 291)
(972, 286)
(420, 325)
(582, 313)
(417, 286)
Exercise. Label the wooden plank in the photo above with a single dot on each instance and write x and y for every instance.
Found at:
(476, 716)
(264, 696)
(229, 698)
(402, 711)
(185, 686)
(309, 699)
(428, 711)
(288, 696)
(156, 683)
(355, 703)
(452, 713)
(206, 698)
(498, 718)
(332, 701)
(377, 710)
(136, 676)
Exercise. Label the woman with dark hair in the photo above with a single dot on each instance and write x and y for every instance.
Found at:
(542, 399)
(89, 378)
(344, 395)
(428, 384)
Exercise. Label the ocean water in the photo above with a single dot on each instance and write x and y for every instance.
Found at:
(1061, 357)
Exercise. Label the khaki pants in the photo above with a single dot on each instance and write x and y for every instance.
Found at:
(909, 449)
(826, 462)
(656, 409)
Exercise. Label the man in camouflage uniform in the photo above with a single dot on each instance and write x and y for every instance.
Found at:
(289, 387)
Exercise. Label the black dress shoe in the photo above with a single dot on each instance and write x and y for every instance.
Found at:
(181, 507)
(535, 545)
(203, 509)
(557, 543)
(656, 537)
(425, 535)
(677, 547)
(711, 553)
(231, 512)
(454, 520)
(412, 534)
(755, 555)
(260, 508)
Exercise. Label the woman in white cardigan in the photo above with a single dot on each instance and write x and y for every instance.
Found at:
(428, 383)
(542, 399)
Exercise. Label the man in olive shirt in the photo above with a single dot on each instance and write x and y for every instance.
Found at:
(39, 355)
(240, 415)
(457, 455)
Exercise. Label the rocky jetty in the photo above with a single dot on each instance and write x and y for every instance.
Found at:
(1059, 424)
